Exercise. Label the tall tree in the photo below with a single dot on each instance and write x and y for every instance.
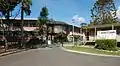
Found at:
(42, 21)
(7, 6)
(103, 12)
(26, 4)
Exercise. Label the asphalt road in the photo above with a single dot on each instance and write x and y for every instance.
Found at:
(56, 57)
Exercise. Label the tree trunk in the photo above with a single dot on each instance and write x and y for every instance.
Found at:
(22, 20)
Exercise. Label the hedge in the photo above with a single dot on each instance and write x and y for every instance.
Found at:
(106, 44)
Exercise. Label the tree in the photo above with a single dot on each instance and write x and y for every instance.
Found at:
(83, 24)
(42, 21)
(8, 6)
(61, 37)
(76, 38)
(26, 4)
(103, 12)
(43, 18)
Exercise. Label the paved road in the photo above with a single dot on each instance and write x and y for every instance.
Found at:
(56, 57)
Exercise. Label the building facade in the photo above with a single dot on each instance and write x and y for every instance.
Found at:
(54, 27)
(90, 32)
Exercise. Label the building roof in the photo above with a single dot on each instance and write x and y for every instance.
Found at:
(101, 26)
(24, 18)
(58, 22)
(35, 19)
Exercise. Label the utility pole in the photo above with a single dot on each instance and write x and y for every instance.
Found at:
(22, 21)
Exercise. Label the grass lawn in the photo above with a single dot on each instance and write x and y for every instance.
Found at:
(92, 50)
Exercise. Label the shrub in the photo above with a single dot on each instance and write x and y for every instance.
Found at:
(106, 44)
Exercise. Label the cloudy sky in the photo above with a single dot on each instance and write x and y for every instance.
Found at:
(66, 10)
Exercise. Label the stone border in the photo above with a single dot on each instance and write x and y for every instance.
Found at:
(80, 52)
(22, 50)
(11, 52)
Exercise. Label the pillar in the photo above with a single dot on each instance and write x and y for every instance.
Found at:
(86, 34)
(95, 33)
(112, 27)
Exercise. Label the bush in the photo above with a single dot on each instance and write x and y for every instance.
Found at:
(106, 44)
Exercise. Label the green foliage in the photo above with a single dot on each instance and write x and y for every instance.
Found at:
(7, 6)
(103, 12)
(103, 2)
(76, 37)
(83, 24)
(61, 37)
(44, 13)
(42, 20)
(26, 6)
(106, 44)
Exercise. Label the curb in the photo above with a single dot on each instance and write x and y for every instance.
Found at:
(80, 52)
(12, 52)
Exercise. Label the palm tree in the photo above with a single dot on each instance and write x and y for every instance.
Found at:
(7, 6)
(26, 5)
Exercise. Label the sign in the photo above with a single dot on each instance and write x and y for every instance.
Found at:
(49, 42)
(109, 34)
(30, 28)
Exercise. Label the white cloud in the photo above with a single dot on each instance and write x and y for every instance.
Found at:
(81, 19)
(119, 7)
(118, 12)
(76, 18)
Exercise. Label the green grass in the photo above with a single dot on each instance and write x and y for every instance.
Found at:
(92, 50)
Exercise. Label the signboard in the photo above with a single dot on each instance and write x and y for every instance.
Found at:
(109, 34)
(49, 42)
(30, 28)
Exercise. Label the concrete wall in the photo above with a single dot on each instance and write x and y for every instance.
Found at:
(58, 29)
(91, 38)
(118, 38)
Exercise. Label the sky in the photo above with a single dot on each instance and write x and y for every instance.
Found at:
(66, 10)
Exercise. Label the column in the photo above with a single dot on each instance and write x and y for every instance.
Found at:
(112, 27)
(86, 34)
(95, 33)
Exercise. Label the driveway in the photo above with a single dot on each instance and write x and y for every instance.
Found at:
(56, 57)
